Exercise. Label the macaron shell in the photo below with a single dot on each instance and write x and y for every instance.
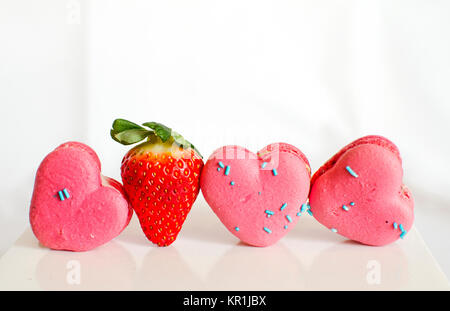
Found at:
(380, 199)
(88, 151)
(370, 139)
(242, 206)
(91, 216)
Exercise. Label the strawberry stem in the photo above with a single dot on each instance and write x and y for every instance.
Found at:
(128, 133)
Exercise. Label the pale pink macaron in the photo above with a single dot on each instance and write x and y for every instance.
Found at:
(258, 197)
(73, 206)
(359, 193)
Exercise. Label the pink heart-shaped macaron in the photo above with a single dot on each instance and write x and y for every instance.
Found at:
(257, 197)
(73, 206)
(359, 193)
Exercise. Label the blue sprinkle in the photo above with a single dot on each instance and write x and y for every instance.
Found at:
(269, 212)
(274, 171)
(299, 214)
(61, 196)
(289, 218)
(352, 203)
(310, 212)
(283, 206)
(267, 230)
(66, 193)
(221, 164)
(232, 183)
(349, 169)
(259, 192)
(264, 165)
(285, 226)
(403, 234)
(401, 228)
(345, 208)
(227, 170)
(218, 169)
(304, 207)
(395, 225)
(334, 230)
(236, 228)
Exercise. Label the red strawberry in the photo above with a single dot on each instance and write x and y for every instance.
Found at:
(161, 177)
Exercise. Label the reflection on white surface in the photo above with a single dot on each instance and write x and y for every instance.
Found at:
(350, 265)
(93, 270)
(165, 269)
(207, 257)
(251, 268)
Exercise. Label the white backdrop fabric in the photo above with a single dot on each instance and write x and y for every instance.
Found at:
(316, 74)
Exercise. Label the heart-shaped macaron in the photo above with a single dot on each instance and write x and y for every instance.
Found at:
(73, 206)
(359, 193)
(258, 197)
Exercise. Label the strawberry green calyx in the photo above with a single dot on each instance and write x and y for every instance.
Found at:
(128, 133)
(161, 130)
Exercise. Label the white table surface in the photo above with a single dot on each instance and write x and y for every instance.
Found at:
(207, 257)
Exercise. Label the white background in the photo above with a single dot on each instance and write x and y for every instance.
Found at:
(316, 74)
